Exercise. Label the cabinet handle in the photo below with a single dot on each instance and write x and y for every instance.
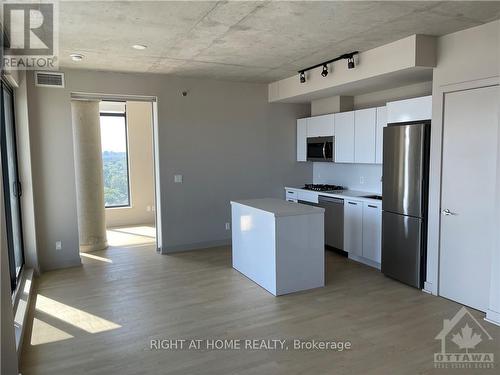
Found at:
(372, 206)
(290, 192)
(355, 204)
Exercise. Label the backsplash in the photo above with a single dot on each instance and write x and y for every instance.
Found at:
(365, 177)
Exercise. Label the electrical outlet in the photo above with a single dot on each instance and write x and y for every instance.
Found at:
(178, 178)
(148, 208)
(362, 180)
(58, 245)
(228, 226)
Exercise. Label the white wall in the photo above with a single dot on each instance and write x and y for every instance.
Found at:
(224, 138)
(141, 169)
(364, 177)
(467, 55)
(380, 98)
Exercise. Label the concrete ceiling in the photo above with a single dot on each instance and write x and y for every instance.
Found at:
(256, 41)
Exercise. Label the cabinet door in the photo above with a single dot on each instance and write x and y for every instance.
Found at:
(291, 195)
(320, 126)
(353, 227)
(372, 231)
(415, 109)
(302, 139)
(379, 133)
(364, 135)
(344, 137)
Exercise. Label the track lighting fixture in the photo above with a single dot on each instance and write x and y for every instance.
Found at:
(302, 76)
(350, 63)
(324, 73)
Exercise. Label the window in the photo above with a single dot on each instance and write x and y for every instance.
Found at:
(11, 185)
(115, 159)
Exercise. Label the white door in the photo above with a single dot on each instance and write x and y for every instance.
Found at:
(320, 126)
(468, 195)
(344, 137)
(364, 135)
(353, 227)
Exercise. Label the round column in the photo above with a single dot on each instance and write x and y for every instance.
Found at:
(88, 175)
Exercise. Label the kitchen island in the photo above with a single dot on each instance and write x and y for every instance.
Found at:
(278, 244)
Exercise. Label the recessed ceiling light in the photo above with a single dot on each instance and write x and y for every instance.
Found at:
(139, 46)
(76, 56)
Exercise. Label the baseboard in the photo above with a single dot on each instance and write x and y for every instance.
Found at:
(428, 288)
(493, 317)
(365, 261)
(194, 246)
(67, 263)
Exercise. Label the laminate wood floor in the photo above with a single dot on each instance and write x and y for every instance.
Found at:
(100, 318)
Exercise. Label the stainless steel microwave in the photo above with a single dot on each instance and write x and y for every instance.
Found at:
(321, 149)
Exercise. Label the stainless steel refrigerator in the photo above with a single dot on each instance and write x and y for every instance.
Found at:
(404, 201)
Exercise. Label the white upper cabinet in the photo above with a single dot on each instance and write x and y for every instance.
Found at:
(320, 126)
(379, 133)
(344, 137)
(415, 109)
(359, 134)
(364, 135)
(302, 139)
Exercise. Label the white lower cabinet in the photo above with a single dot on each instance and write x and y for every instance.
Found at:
(292, 195)
(372, 231)
(353, 227)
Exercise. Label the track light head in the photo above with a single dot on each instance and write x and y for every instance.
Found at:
(302, 77)
(350, 62)
(324, 73)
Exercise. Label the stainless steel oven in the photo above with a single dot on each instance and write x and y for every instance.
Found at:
(320, 149)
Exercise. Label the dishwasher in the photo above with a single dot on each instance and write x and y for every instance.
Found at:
(334, 221)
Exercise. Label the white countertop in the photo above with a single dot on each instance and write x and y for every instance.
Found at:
(280, 207)
(343, 194)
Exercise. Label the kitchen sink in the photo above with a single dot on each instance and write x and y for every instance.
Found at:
(374, 196)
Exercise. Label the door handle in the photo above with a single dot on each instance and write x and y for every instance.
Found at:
(324, 150)
(447, 212)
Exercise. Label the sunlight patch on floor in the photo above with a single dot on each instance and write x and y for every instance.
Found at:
(95, 257)
(137, 235)
(70, 315)
(44, 333)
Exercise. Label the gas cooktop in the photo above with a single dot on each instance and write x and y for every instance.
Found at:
(323, 187)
